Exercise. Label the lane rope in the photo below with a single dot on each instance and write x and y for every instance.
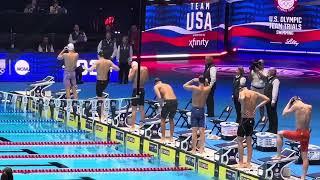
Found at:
(99, 170)
(66, 143)
(8, 112)
(27, 121)
(60, 131)
(74, 156)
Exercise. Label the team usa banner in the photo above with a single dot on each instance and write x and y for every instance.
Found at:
(275, 25)
(188, 28)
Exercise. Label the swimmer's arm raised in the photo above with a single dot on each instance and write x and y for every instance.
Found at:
(289, 108)
(188, 85)
(264, 98)
(60, 56)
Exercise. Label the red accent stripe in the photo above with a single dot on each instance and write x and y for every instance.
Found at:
(74, 156)
(301, 37)
(99, 170)
(67, 143)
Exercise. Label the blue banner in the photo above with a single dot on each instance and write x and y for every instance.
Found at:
(190, 28)
(283, 25)
(29, 67)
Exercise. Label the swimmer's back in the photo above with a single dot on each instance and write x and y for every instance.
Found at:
(199, 96)
(144, 76)
(248, 100)
(303, 115)
(167, 92)
(103, 67)
(70, 61)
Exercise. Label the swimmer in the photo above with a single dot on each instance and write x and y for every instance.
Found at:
(103, 66)
(7, 174)
(139, 101)
(165, 95)
(199, 97)
(303, 117)
(248, 100)
(70, 62)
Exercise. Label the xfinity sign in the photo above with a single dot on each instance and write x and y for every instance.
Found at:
(22, 67)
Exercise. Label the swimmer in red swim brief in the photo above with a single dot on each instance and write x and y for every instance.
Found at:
(302, 134)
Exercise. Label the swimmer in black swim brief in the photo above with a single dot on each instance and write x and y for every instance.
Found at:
(245, 127)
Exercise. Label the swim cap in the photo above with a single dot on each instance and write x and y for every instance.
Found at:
(70, 47)
(134, 63)
(202, 79)
(156, 80)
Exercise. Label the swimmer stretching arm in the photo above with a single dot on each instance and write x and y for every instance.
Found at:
(289, 108)
(188, 85)
(114, 67)
(60, 56)
(264, 98)
(93, 67)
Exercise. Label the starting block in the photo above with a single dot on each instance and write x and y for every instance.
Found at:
(184, 141)
(266, 142)
(277, 169)
(151, 127)
(313, 152)
(120, 116)
(227, 154)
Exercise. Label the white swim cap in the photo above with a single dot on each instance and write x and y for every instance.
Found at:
(134, 63)
(70, 47)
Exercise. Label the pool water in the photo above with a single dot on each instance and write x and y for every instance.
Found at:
(24, 164)
(307, 87)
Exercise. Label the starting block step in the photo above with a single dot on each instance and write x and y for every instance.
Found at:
(277, 169)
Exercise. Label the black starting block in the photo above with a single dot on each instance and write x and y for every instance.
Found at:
(122, 118)
(277, 169)
(313, 152)
(151, 127)
(227, 154)
(184, 141)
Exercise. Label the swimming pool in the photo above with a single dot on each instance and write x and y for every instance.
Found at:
(35, 129)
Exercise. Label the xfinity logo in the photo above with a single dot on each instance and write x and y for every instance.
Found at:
(22, 67)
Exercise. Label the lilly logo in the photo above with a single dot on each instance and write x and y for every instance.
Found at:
(22, 67)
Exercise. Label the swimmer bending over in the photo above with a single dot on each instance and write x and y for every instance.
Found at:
(139, 101)
(165, 95)
(69, 76)
(302, 112)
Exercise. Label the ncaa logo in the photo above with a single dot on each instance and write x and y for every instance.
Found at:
(2, 66)
(22, 67)
(286, 5)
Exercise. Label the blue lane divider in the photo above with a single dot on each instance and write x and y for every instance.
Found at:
(14, 112)
(26, 121)
(43, 131)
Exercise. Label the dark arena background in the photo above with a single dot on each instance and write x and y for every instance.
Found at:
(172, 38)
